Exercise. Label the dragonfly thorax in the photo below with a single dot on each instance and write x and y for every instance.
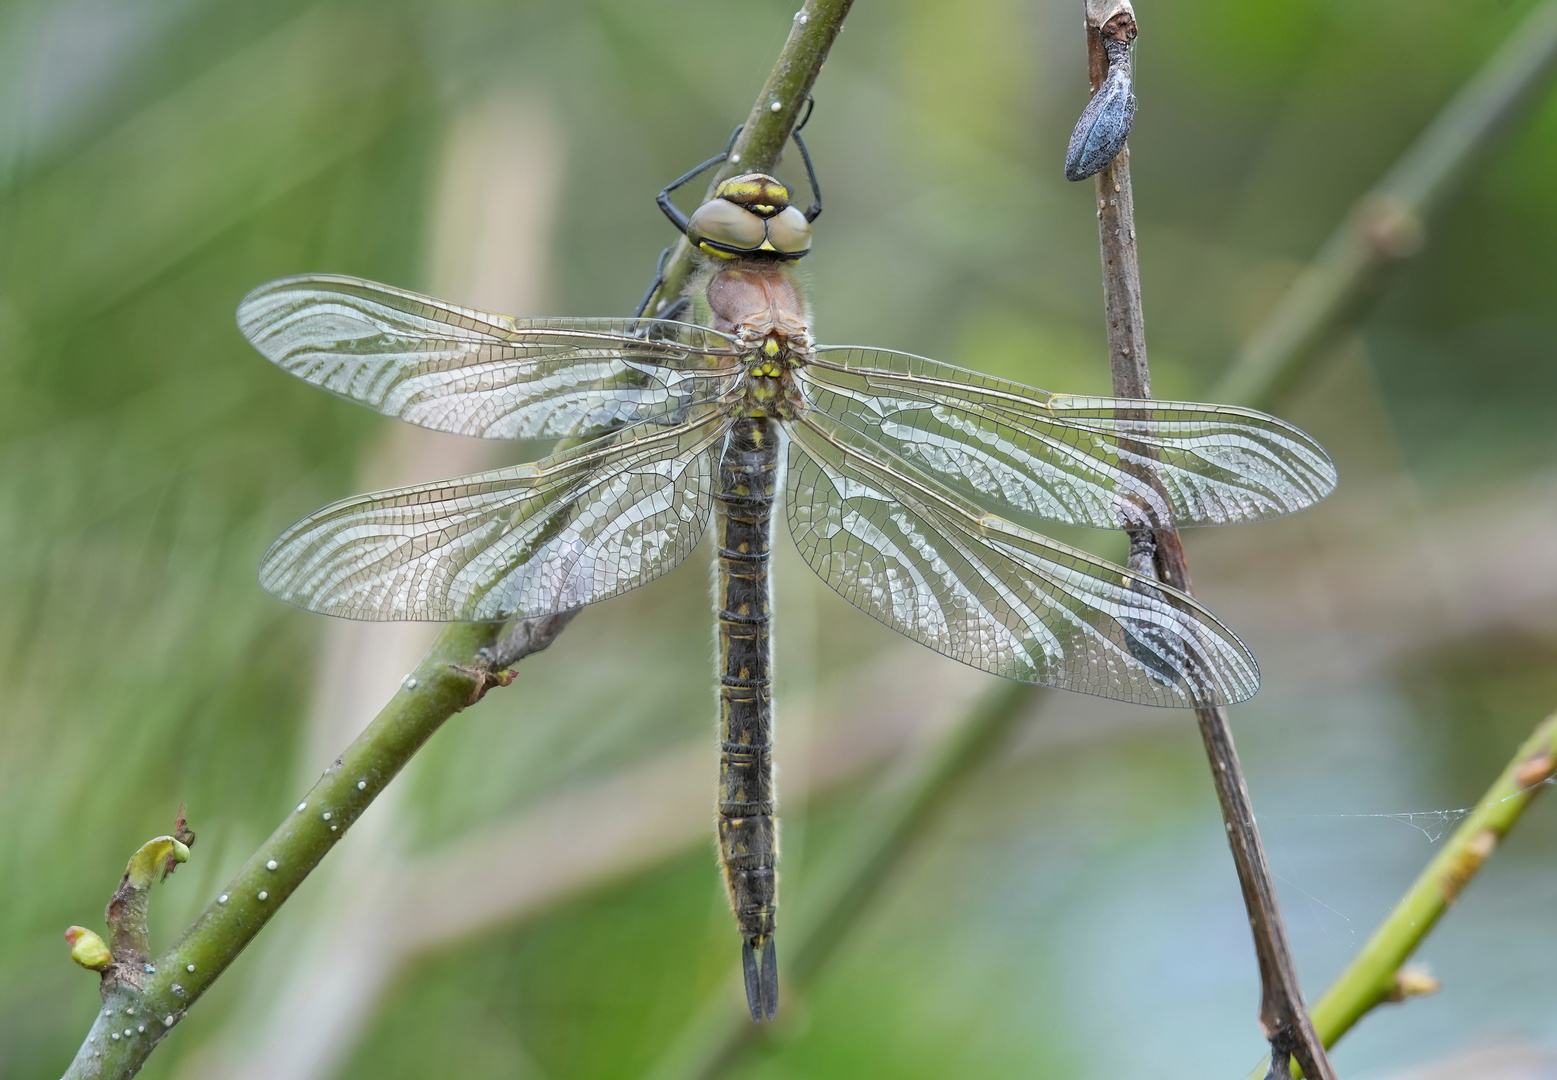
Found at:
(762, 305)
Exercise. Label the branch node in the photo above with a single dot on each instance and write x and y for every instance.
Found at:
(1536, 770)
(1389, 228)
(1466, 863)
(1413, 980)
(523, 638)
(484, 680)
(88, 950)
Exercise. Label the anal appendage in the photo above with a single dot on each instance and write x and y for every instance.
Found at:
(761, 978)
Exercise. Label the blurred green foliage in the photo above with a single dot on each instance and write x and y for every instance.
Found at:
(157, 160)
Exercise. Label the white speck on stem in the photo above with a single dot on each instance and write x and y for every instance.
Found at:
(167, 1021)
(127, 1032)
(263, 895)
(114, 1035)
(409, 682)
(189, 967)
(222, 899)
(362, 785)
(802, 18)
(776, 107)
(735, 159)
(326, 815)
(141, 1028)
(271, 865)
(301, 807)
(333, 828)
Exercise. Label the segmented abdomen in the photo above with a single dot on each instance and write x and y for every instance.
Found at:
(748, 837)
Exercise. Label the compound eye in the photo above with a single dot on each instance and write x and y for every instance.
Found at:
(726, 224)
(789, 232)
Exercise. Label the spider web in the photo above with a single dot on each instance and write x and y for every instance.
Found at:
(1433, 824)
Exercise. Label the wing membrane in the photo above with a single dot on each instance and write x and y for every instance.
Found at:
(992, 594)
(472, 373)
(1104, 462)
(530, 540)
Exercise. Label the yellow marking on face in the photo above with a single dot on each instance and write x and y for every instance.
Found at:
(764, 209)
(729, 188)
(703, 247)
(737, 188)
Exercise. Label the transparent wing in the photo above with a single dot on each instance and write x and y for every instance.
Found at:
(472, 373)
(530, 540)
(1105, 462)
(980, 589)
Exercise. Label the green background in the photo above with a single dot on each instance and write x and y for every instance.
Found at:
(1073, 911)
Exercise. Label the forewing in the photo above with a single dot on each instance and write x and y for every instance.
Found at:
(983, 590)
(1104, 462)
(529, 540)
(473, 373)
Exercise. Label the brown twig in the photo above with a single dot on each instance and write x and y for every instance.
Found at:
(1283, 1015)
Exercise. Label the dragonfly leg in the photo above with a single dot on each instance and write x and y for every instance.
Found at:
(654, 286)
(813, 211)
(670, 210)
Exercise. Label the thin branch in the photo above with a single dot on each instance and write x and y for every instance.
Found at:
(1282, 1013)
(388, 912)
(1386, 226)
(721, 1034)
(1377, 973)
(772, 117)
(136, 1017)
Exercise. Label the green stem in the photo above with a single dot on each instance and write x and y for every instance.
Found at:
(766, 130)
(1386, 226)
(1373, 976)
(126, 914)
(135, 1018)
(722, 1033)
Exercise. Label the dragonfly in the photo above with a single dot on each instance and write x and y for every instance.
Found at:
(905, 482)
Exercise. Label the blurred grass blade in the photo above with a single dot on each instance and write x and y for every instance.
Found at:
(200, 160)
(1387, 225)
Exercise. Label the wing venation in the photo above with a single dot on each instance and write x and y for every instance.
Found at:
(985, 591)
(1102, 462)
(473, 373)
(529, 540)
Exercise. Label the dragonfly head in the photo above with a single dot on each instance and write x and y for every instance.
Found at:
(750, 217)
